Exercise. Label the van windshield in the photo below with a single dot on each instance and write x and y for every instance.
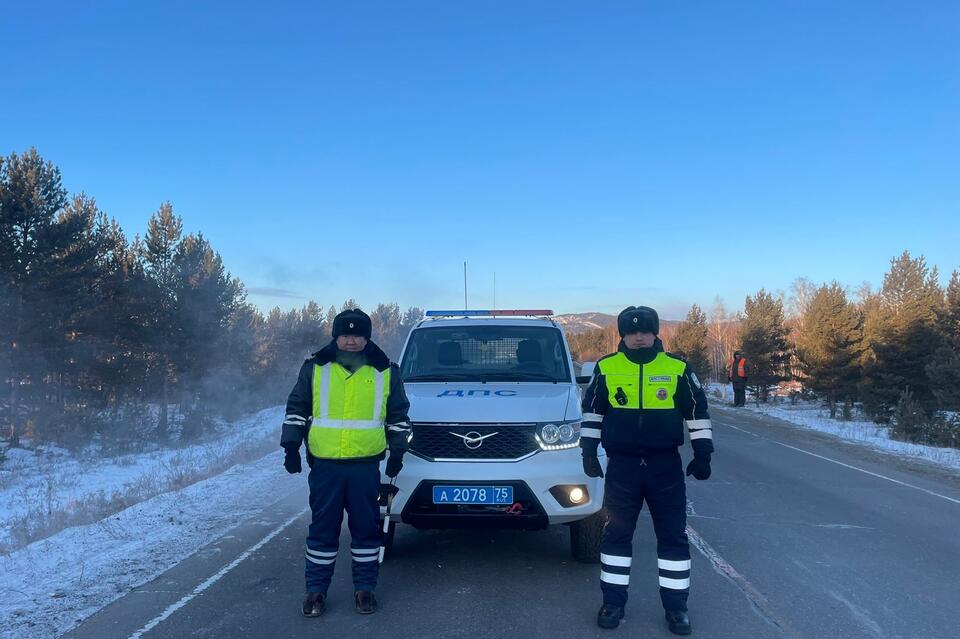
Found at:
(485, 354)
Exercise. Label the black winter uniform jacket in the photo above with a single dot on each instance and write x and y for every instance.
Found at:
(640, 432)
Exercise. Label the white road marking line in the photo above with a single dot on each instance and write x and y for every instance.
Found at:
(759, 602)
(172, 608)
(840, 463)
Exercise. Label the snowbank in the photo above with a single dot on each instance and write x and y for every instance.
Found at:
(43, 492)
(50, 585)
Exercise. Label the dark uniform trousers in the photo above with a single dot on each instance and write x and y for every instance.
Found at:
(335, 487)
(739, 393)
(658, 479)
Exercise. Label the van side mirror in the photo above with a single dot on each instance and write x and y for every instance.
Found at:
(586, 372)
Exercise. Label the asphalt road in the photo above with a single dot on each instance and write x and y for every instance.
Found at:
(795, 535)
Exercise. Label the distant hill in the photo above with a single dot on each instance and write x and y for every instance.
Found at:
(574, 323)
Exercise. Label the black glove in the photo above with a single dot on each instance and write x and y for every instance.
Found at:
(291, 460)
(699, 467)
(591, 466)
(394, 464)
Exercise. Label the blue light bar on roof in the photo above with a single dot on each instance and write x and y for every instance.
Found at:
(489, 313)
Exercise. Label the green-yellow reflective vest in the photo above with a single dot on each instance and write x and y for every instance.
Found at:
(348, 412)
(649, 386)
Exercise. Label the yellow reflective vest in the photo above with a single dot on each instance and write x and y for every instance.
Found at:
(349, 410)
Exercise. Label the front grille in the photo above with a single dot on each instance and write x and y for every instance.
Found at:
(511, 441)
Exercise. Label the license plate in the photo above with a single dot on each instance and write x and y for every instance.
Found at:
(492, 495)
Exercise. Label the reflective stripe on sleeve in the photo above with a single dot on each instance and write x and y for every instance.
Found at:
(399, 428)
(592, 417)
(590, 432)
(706, 433)
(698, 424)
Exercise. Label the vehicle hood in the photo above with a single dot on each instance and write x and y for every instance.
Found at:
(493, 402)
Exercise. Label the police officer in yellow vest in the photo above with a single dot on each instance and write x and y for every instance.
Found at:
(636, 406)
(349, 405)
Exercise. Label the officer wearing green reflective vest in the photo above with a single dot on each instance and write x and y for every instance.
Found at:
(349, 406)
(636, 406)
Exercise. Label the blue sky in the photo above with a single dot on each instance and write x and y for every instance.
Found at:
(593, 155)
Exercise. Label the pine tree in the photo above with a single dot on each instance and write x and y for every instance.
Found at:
(119, 326)
(830, 346)
(31, 196)
(159, 250)
(944, 369)
(763, 340)
(76, 266)
(691, 339)
(204, 297)
(385, 320)
(903, 333)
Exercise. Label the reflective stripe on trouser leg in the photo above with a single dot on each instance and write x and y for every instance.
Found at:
(622, 499)
(667, 499)
(615, 570)
(327, 498)
(363, 519)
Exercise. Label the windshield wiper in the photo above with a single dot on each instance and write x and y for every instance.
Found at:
(507, 376)
(439, 377)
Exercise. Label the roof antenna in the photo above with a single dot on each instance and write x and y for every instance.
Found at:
(465, 307)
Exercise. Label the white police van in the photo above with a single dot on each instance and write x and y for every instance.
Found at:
(495, 410)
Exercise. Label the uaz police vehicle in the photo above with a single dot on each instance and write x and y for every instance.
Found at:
(495, 410)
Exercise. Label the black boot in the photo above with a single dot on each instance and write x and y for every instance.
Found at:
(313, 604)
(609, 616)
(679, 622)
(366, 602)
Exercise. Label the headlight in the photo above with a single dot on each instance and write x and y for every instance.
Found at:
(550, 434)
(559, 436)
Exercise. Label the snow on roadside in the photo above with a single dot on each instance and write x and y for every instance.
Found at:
(44, 493)
(46, 588)
(815, 417)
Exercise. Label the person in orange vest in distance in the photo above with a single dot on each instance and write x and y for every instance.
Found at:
(737, 375)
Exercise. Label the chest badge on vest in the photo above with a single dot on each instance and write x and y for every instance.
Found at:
(662, 393)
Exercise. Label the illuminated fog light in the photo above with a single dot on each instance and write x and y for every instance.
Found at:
(577, 496)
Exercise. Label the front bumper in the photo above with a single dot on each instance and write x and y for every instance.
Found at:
(532, 479)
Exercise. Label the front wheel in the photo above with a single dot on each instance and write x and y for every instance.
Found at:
(585, 536)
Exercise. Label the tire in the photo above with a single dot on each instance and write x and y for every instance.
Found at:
(585, 536)
(388, 539)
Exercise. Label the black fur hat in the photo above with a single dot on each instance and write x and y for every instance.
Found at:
(352, 321)
(638, 318)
